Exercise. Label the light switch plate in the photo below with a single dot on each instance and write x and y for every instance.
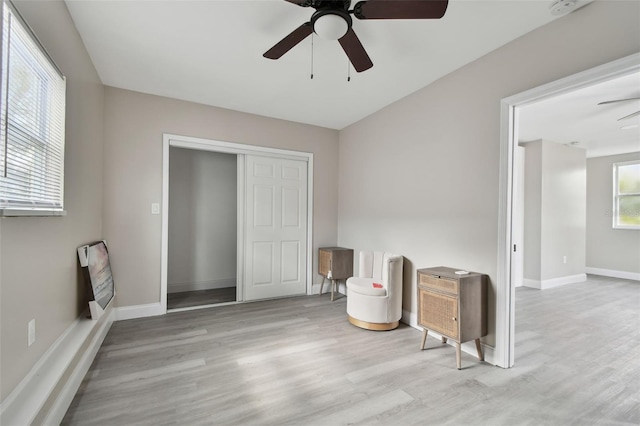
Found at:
(155, 208)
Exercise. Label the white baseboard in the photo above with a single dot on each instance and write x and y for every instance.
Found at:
(34, 399)
(139, 311)
(411, 319)
(63, 366)
(68, 392)
(614, 274)
(342, 289)
(315, 289)
(554, 282)
(200, 285)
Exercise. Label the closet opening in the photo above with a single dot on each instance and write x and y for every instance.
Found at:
(202, 235)
(237, 223)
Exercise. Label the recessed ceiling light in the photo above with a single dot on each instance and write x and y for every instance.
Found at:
(630, 126)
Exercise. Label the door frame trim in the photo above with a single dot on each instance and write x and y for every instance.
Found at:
(505, 292)
(211, 145)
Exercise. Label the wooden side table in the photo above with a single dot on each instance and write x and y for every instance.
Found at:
(335, 264)
(453, 305)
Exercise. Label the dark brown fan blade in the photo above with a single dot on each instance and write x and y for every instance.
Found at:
(400, 9)
(303, 3)
(355, 51)
(287, 43)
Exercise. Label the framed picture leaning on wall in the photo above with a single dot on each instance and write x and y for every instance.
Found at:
(96, 269)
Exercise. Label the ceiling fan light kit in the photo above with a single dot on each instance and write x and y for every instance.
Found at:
(331, 25)
(332, 20)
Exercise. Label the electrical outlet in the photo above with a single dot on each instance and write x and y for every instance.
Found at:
(31, 334)
(564, 259)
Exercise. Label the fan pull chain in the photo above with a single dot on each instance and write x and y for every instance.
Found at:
(348, 70)
(311, 56)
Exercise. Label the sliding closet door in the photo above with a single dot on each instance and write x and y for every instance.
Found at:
(276, 227)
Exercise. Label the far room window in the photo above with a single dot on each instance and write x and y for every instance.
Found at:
(626, 195)
(32, 121)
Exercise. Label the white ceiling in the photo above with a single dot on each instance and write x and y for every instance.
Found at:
(576, 118)
(210, 52)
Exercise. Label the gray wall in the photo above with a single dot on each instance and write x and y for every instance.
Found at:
(608, 248)
(134, 125)
(39, 274)
(420, 177)
(532, 210)
(564, 194)
(555, 211)
(202, 220)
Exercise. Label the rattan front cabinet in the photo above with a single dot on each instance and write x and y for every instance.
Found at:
(452, 305)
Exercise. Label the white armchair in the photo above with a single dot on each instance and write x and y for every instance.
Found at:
(374, 297)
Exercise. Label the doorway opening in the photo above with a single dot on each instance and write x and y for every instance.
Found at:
(211, 255)
(509, 261)
(202, 247)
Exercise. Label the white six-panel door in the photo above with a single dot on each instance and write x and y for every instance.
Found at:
(275, 227)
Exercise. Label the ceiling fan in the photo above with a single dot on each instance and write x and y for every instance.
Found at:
(332, 20)
(623, 100)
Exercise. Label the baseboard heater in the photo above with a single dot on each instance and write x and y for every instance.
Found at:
(46, 392)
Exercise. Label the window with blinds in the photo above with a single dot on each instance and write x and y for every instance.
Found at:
(626, 195)
(32, 121)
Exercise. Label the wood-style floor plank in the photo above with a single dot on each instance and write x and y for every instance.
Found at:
(298, 361)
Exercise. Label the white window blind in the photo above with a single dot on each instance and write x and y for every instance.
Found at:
(32, 121)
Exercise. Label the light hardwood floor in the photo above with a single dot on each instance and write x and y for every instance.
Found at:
(299, 362)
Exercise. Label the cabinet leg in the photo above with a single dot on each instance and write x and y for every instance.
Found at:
(322, 285)
(479, 349)
(458, 356)
(424, 338)
(333, 285)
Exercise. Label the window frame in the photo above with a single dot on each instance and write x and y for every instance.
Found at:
(617, 196)
(43, 196)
